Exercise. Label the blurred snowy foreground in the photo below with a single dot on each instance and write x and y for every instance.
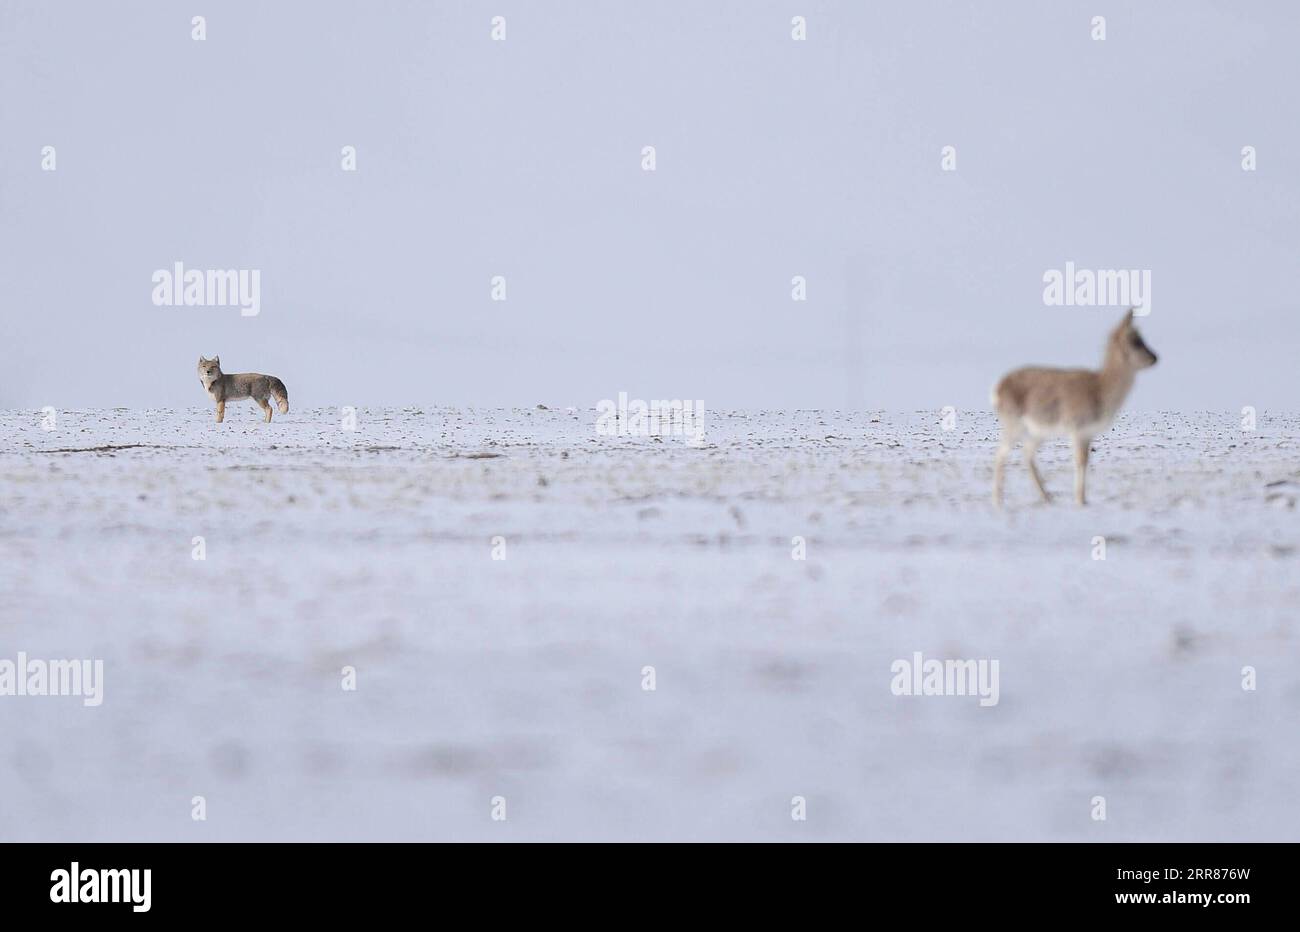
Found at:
(500, 581)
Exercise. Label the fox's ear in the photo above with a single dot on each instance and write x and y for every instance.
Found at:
(1128, 318)
(202, 360)
(217, 360)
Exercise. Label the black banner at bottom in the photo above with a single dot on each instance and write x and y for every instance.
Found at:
(367, 881)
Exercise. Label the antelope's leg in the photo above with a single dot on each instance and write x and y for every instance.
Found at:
(1009, 437)
(1031, 449)
(1081, 448)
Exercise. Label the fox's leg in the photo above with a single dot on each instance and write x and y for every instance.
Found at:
(1081, 448)
(221, 411)
(1008, 441)
(1031, 449)
(266, 408)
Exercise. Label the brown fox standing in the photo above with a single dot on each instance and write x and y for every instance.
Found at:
(221, 388)
(1078, 403)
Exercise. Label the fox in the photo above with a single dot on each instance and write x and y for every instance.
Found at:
(1038, 403)
(221, 387)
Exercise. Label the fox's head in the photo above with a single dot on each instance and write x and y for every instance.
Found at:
(209, 370)
(1127, 346)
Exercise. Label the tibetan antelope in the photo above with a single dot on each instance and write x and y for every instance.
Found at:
(1038, 403)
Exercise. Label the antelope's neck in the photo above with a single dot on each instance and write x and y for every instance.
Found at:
(1116, 382)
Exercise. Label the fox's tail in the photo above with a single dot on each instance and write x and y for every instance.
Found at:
(280, 394)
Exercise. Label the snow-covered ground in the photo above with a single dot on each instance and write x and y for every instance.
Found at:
(522, 677)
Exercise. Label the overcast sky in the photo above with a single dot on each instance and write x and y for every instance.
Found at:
(523, 158)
